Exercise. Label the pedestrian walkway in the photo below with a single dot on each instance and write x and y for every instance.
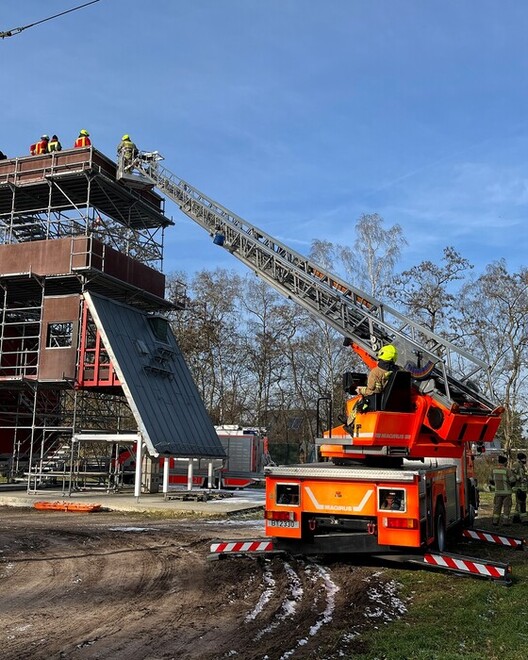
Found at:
(221, 503)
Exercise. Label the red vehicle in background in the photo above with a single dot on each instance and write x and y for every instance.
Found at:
(247, 455)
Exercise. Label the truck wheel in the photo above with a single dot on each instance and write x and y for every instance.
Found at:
(440, 529)
(472, 515)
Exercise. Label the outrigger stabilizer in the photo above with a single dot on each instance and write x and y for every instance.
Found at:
(444, 561)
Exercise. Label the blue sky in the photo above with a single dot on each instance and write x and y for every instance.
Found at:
(297, 115)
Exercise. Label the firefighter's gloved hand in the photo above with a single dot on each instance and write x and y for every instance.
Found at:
(360, 390)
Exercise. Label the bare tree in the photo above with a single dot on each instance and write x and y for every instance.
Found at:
(371, 261)
(426, 291)
(493, 321)
(264, 323)
(209, 334)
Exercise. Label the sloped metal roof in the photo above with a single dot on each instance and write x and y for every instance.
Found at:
(156, 381)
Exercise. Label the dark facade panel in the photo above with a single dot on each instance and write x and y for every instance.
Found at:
(156, 380)
(58, 338)
(129, 270)
(37, 257)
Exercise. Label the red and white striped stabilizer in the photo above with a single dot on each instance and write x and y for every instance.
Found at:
(469, 565)
(225, 547)
(490, 537)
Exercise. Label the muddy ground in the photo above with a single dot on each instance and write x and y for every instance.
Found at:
(112, 586)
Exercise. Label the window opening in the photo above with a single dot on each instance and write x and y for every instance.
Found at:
(392, 499)
(59, 335)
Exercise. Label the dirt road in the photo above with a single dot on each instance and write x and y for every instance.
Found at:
(112, 586)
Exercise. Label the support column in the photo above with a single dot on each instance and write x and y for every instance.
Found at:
(165, 487)
(139, 462)
(210, 474)
(189, 474)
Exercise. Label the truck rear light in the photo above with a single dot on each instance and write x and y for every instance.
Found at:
(400, 523)
(280, 515)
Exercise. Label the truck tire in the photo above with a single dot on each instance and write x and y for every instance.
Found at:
(471, 517)
(439, 542)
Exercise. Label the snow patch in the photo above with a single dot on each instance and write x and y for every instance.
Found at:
(331, 588)
(22, 627)
(265, 596)
(386, 604)
(289, 604)
(133, 529)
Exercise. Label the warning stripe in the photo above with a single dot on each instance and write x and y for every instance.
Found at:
(242, 546)
(466, 565)
(489, 537)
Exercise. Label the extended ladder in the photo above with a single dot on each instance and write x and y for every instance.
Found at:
(357, 315)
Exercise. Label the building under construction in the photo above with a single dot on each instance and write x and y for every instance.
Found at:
(87, 357)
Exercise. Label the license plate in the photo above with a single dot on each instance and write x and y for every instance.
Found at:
(283, 523)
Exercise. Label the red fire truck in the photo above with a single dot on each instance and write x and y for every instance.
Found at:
(247, 454)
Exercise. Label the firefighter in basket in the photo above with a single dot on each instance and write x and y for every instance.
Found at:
(376, 382)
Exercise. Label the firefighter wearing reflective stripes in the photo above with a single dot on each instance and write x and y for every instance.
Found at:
(83, 140)
(502, 478)
(379, 375)
(520, 488)
(376, 382)
(54, 144)
(40, 147)
(126, 151)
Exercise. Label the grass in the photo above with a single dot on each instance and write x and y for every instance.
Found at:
(453, 618)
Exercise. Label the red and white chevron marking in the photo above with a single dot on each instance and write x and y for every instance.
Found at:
(489, 537)
(242, 546)
(475, 567)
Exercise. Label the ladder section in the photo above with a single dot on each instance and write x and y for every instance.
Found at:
(357, 315)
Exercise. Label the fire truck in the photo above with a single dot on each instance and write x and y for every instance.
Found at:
(401, 479)
(247, 453)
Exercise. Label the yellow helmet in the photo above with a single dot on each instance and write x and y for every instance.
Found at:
(83, 131)
(388, 353)
(126, 136)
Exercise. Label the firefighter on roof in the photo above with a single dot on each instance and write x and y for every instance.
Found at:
(54, 144)
(83, 140)
(502, 479)
(40, 147)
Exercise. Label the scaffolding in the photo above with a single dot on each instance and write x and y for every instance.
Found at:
(68, 227)
(75, 193)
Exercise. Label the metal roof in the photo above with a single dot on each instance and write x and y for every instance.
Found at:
(156, 381)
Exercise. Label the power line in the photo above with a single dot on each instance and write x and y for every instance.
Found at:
(18, 30)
